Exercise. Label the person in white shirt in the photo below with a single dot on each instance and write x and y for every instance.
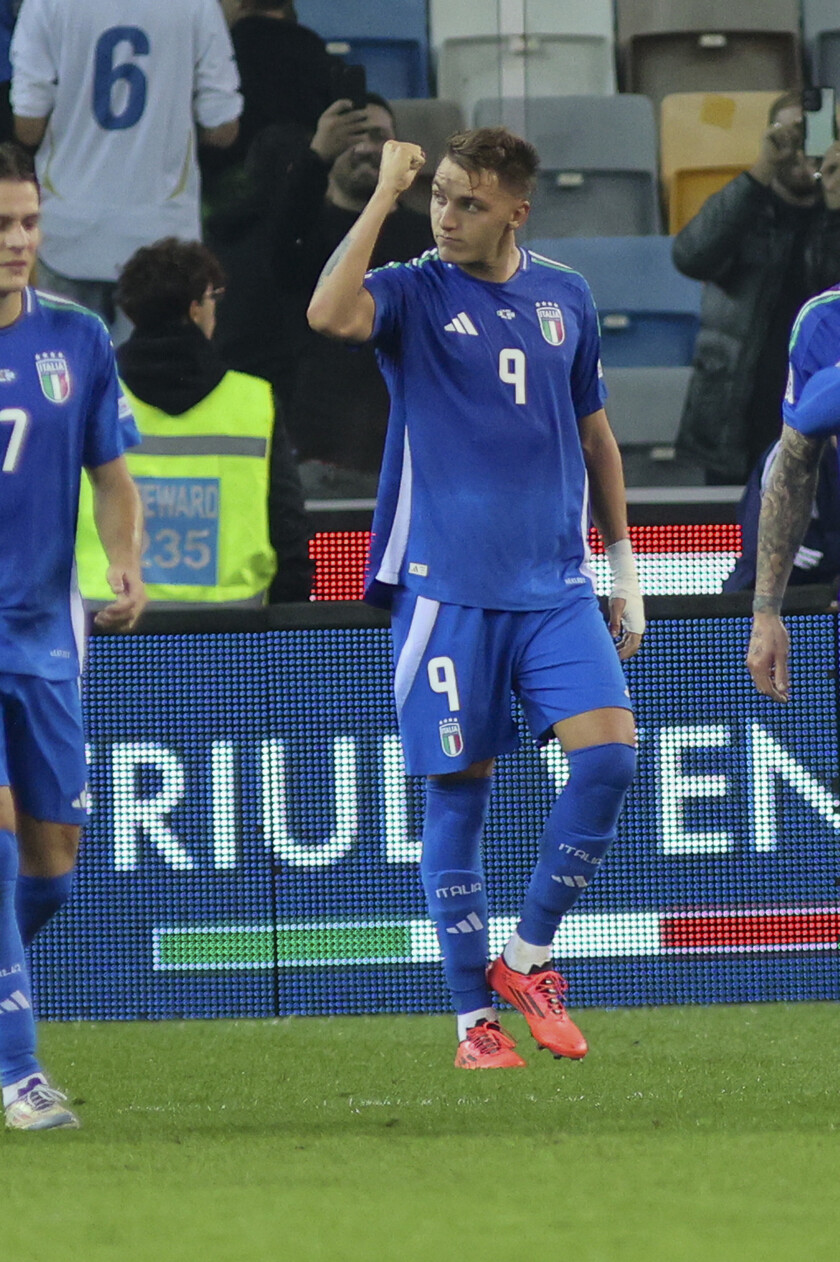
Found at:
(114, 94)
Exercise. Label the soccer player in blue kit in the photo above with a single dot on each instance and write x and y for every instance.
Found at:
(497, 446)
(61, 410)
(811, 412)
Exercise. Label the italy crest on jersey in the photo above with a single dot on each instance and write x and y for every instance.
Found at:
(551, 323)
(54, 376)
(451, 738)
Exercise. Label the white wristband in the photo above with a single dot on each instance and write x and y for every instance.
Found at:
(625, 585)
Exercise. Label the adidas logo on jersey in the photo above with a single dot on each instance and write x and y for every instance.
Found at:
(461, 323)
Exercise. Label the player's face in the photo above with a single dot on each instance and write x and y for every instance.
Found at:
(473, 216)
(357, 169)
(20, 235)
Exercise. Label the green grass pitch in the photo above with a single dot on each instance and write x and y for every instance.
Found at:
(687, 1134)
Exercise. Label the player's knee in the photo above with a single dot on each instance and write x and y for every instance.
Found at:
(600, 776)
(454, 821)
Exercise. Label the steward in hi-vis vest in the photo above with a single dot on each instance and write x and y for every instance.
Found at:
(203, 477)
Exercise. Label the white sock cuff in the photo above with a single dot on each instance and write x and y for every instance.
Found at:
(521, 956)
(15, 1089)
(466, 1020)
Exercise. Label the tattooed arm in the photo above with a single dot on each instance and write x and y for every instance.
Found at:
(341, 307)
(785, 513)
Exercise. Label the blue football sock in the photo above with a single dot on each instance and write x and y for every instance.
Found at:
(577, 835)
(17, 1023)
(37, 899)
(453, 879)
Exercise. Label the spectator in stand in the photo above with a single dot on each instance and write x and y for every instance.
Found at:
(285, 69)
(209, 440)
(109, 93)
(336, 401)
(763, 244)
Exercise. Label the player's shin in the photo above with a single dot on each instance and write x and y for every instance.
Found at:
(455, 888)
(17, 1023)
(576, 838)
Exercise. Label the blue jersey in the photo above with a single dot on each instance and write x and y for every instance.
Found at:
(61, 408)
(483, 497)
(814, 346)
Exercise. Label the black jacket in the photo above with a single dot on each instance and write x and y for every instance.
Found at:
(335, 399)
(286, 74)
(744, 243)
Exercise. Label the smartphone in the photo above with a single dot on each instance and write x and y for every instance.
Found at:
(818, 111)
(350, 84)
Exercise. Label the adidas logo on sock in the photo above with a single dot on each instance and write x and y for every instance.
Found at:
(17, 1002)
(470, 925)
(576, 882)
(461, 323)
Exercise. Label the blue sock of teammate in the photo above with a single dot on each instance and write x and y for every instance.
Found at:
(577, 835)
(37, 899)
(17, 1023)
(453, 879)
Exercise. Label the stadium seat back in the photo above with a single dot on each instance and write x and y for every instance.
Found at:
(524, 65)
(706, 139)
(650, 312)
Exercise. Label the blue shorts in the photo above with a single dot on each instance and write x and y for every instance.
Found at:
(456, 668)
(42, 747)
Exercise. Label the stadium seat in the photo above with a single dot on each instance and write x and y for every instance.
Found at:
(706, 139)
(644, 406)
(427, 123)
(599, 171)
(708, 45)
(448, 20)
(388, 37)
(395, 67)
(650, 312)
(646, 17)
(475, 68)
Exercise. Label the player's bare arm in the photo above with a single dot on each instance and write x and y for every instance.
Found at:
(609, 512)
(221, 137)
(30, 131)
(785, 513)
(341, 307)
(118, 513)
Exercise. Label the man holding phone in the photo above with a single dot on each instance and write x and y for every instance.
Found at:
(335, 399)
(763, 245)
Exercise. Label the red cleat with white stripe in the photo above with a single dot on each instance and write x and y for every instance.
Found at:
(538, 995)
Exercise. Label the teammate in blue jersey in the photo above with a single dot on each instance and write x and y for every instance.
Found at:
(497, 446)
(61, 410)
(811, 412)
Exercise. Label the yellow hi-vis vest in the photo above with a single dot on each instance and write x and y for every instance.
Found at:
(203, 478)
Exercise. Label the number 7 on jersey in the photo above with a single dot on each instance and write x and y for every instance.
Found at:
(19, 420)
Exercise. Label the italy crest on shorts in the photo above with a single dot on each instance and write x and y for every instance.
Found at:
(54, 376)
(551, 323)
(451, 737)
